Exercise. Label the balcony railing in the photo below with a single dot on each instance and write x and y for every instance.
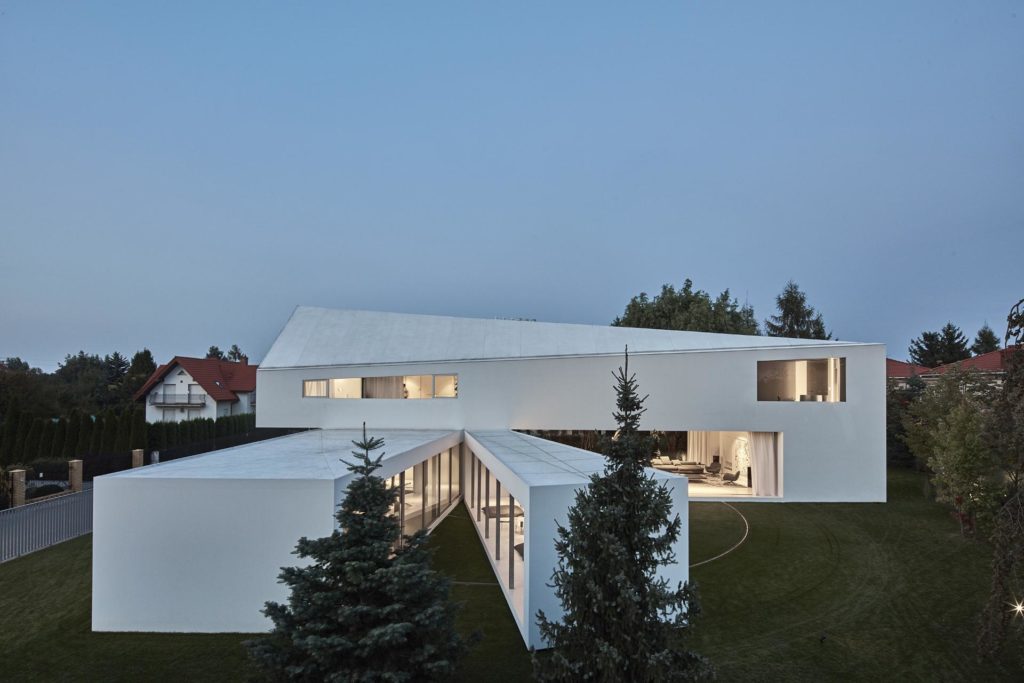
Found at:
(162, 399)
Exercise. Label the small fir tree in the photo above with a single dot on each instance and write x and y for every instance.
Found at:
(366, 608)
(215, 352)
(795, 319)
(985, 341)
(235, 354)
(621, 622)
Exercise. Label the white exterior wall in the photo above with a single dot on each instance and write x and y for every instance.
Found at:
(176, 553)
(545, 507)
(831, 451)
(198, 555)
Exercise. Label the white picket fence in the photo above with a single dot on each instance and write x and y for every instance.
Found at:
(40, 524)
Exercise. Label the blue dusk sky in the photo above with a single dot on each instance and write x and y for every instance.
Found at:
(176, 175)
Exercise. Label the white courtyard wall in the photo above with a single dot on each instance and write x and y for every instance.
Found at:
(832, 451)
(198, 555)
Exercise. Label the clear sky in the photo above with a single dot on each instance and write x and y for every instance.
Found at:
(180, 175)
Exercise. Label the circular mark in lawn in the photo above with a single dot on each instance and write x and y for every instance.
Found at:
(746, 532)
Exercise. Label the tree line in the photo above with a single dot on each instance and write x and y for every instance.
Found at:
(967, 432)
(696, 310)
(25, 439)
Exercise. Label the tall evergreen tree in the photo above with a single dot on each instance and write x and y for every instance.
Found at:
(70, 449)
(985, 341)
(9, 436)
(86, 432)
(35, 433)
(366, 608)
(99, 425)
(124, 431)
(932, 349)
(20, 437)
(215, 352)
(796, 319)
(235, 354)
(108, 437)
(688, 309)
(138, 437)
(45, 440)
(621, 622)
(59, 434)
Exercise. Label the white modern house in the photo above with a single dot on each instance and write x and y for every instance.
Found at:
(188, 388)
(459, 403)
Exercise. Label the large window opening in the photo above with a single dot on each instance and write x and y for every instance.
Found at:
(718, 464)
(821, 380)
(398, 386)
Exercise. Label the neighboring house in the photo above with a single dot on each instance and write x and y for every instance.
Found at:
(188, 388)
(991, 368)
(771, 419)
(898, 373)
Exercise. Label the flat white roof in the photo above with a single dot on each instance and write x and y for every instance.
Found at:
(316, 337)
(539, 462)
(316, 454)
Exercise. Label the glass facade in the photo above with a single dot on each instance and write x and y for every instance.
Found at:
(426, 490)
(501, 520)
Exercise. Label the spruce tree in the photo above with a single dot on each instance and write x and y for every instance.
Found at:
(932, 349)
(621, 622)
(795, 319)
(986, 341)
(366, 607)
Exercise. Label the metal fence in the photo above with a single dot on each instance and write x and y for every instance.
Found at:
(43, 523)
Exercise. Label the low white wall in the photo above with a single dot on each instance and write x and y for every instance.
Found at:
(198, 555)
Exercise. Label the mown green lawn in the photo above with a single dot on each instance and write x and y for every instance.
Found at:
(818, 592)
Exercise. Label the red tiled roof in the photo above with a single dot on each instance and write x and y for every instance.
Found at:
(219, 378)
(994, 361)
(899, 369)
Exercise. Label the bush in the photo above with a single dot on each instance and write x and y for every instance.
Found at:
(50, 469)
(44, 490)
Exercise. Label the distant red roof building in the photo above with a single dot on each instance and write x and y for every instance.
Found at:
(993, 363)
(220, 379)
(897, 369)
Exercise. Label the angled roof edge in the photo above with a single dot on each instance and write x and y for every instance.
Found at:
(322, 337)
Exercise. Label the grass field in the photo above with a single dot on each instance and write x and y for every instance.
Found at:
(818, 592)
